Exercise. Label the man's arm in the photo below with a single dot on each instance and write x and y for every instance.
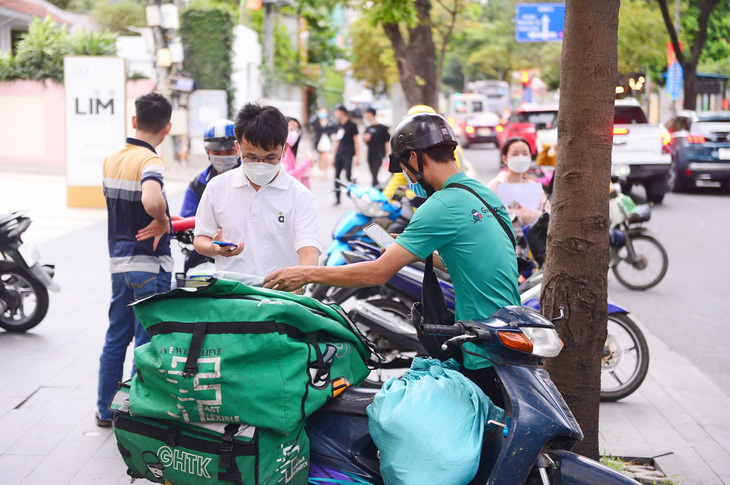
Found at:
(356, 141)
(369, 273)
(308, 256)
(204, 245)
(154, 204)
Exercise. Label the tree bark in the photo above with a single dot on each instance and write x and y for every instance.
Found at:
(416, 58)
(578, 253)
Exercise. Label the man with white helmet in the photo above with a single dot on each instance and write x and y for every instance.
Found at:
(219, 142)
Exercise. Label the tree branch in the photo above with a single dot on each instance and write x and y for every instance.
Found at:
(706, 8)
(446, 37)
(672, 32)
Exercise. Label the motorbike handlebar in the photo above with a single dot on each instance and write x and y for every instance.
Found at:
(183, 224)
(448, 330)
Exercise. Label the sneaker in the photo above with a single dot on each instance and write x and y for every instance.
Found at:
(102, 423)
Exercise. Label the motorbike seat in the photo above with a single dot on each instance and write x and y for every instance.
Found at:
(353, 401)
(442, 275)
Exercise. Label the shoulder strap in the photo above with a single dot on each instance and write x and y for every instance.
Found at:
(491, 209)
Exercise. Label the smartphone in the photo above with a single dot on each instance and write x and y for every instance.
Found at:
(221, 243)
(379, 235)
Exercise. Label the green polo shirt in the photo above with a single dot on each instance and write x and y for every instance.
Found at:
(473, 246)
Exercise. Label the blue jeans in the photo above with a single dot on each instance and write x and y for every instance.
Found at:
(123, 326)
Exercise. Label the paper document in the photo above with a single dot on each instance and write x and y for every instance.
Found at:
(527, 195)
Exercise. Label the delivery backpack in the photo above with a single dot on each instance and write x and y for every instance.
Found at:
(176, 453)
(231, 353)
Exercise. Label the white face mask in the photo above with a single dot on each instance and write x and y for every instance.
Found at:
(519, 163)
(223, 163)
(292, 138)
(260, 173)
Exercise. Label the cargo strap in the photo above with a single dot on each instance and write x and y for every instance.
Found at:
(196, 344)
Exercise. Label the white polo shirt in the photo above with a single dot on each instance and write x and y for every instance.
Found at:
(273, 223)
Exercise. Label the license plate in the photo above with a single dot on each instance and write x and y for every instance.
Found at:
(29, 253)
(485, 131)
(723, 153)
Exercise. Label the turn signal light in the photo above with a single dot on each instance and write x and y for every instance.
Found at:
(499, 129)
(695, 139)
(469, 129)
(620, 131)
(516, 341)
(666, 141)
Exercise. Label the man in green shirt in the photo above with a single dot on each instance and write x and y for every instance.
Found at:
(453, 224)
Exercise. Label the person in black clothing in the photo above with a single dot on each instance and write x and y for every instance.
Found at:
(322, 127)
(347, 146)
(377, 138)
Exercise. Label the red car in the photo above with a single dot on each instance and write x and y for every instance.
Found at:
(526, 121)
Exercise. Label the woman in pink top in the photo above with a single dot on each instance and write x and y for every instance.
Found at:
(298, 171)
(516, 155)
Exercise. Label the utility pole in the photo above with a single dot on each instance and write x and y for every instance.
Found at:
(269, 14)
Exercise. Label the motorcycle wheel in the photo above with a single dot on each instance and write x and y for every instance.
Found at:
(625, 359)
(25, 286)
(394, 359)
(648, 267)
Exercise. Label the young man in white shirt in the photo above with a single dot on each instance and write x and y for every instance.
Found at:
(269, 216)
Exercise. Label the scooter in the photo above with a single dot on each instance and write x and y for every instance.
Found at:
(638, 260)
(533, 443)
(24, 279)
(384, 314)
(197, 268)
(371, 205)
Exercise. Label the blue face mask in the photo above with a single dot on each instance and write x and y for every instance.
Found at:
(417, 188)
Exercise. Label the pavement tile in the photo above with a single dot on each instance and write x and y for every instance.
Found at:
(13, 469)
(67, 460)
(100, 470)
(61, 478)
(40, 440)
(109, 448)
(18, 422)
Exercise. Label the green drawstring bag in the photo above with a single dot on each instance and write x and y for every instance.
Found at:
(231, 353)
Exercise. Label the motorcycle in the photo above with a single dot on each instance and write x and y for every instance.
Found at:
(531, 446)
(638, 260)
(371, 205)
(24, 280)
(384, 314)
(197, 268)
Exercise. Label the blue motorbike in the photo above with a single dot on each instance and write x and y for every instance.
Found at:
(371, 206)
(384, 314)
(531, 446)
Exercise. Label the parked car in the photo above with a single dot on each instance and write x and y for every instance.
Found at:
(640, 150)
(700, 149)
(480, 128)
(525, 122)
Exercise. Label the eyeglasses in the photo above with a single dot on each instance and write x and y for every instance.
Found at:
(265, 160)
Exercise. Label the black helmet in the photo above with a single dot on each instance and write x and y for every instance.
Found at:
(418, 132)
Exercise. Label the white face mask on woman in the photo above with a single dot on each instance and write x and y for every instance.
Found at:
(519, 163)
(292, 138)
(261, 173)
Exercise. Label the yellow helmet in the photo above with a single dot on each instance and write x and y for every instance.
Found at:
(421, 108)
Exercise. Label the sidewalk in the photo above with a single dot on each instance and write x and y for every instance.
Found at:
(49, 375)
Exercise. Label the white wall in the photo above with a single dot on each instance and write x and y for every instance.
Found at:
(246, 77)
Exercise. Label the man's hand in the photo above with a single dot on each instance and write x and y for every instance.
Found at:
(225, 251)
(155, 229)
(287, 279)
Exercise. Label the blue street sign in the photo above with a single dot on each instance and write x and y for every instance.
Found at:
(675, 77)
(539, 22)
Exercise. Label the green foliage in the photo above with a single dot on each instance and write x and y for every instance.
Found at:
(206, 31)
(372, 56)
(639, 48)
(85, 43)
(62, 4)
(41, 51)
(119, 16)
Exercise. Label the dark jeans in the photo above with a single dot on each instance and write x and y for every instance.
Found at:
(123, 327)
(342, 162)
(375, 163)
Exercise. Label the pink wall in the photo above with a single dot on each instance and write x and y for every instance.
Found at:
(51, 119)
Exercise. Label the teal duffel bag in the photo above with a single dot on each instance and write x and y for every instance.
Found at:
(176, 453)
(230, 353)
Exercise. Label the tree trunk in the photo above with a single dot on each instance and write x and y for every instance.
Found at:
(690, 85)
(416, 58)
(578, 253)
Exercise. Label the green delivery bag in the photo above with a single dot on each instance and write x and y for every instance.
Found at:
(230, 353)
(176, 453)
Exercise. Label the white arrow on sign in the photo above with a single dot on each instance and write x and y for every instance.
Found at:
(544, 33)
